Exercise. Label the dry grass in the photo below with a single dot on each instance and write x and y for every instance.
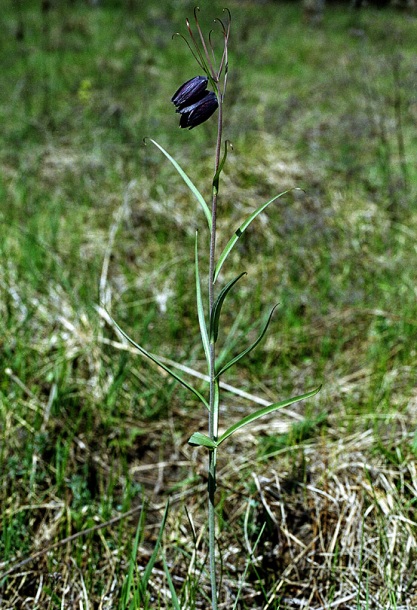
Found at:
(340, 526)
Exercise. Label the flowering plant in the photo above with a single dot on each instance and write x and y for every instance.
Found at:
(196, 104)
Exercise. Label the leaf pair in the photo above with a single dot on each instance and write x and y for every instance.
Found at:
(213, 333)
(239, 232)
(209, 336)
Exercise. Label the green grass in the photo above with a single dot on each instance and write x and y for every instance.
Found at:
(89, 430)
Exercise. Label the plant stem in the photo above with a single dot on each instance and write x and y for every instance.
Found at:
(214, 204)
(212, 526)
(214, 401)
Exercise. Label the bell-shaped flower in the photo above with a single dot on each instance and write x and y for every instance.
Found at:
(190, 92)
(194, 102)
(199, 111)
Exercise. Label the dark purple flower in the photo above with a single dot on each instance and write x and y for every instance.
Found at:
(190, 92)
(200, 111)
(194, 102)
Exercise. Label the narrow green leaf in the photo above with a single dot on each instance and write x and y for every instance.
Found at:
(174, 597)
(128, 583)
(215, 316)
(233, 339)
(240, 231)
(200, 307)
(148, 570)
(248, 349)
(201, 440)
(159, 363)
(261, 412)
(188, 182)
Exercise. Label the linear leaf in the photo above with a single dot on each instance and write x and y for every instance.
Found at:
(148, 570)
(232, 339)
(200, 308)
(174, 597)
(188, 182)
(240, 231)
(128, 583)
(159, 363)
(198, 439)
(261, 412)
(215, 316)
(248, 349)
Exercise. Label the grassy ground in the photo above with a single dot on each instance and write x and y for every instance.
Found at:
(92, 437)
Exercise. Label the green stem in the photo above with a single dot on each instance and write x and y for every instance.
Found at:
(212, 526)
(214, 400)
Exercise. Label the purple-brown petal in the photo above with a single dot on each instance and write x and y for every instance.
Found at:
(190, 92)
(199, 111)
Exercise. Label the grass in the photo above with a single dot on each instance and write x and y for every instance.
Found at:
(92, 439)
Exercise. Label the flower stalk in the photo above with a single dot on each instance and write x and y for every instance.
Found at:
(214, 386)
(196, 105)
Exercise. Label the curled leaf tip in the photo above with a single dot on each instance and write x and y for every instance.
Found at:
(144, 140)
(221, 23)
